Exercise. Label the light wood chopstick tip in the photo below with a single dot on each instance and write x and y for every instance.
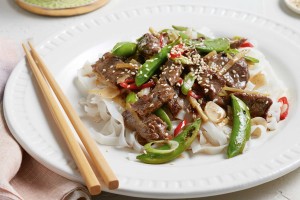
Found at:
(95, 190)
(113, 185)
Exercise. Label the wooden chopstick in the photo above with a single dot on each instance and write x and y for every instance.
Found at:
(98, 159)
(83, 165)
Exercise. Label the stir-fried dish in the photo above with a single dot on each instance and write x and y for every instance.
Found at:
(182, 90)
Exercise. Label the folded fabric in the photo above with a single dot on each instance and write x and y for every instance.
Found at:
(21, 176)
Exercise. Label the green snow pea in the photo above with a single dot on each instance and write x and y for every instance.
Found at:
(184, 139)
(131, 98)
(148, 69)
(247, 58)
(188, 83)
(218, 45)
(124, 49)
(241, 127)
(251, 59)
(180, 28)
(164, 116)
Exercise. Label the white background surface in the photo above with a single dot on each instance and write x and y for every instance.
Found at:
(19, 25)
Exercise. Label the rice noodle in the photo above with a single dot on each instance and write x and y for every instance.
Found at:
(213, 134)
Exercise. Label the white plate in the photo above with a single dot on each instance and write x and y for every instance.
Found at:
(194, 176)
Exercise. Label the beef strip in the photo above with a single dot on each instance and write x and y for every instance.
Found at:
(258, 104)
(171, 72)
(237, 43)
(149, 127)
(161, 94)
(211, 85)
(106, 68)
(237, 76)
(175, 106)
(148, 45)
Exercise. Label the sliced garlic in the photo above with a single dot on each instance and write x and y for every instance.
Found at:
(258, 130)
(258, 80)
(214, 112)
(259, 121)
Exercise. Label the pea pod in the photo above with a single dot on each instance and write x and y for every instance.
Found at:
(180, 28)
(241, 127)
(131, 98)
(164, 116)
(218, 45)
(185, 139)
(188, 83)
(247, 58)
(171, 143)
(147, 70)
(251, 59)
(124, 49)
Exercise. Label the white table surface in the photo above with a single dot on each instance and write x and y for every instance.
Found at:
(19, 25)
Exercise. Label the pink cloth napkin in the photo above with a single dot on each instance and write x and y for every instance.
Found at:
(22, 177)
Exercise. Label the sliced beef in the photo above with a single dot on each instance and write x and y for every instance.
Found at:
(148, 45)
(237, 76)
(258, 104)
(106, 68)
(211, 85)
(161, 94)
(155, 125)
(175, 105)
(237, 43)
(149, 127)
(171, 72)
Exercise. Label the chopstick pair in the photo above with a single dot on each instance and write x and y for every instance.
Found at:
(48, 84)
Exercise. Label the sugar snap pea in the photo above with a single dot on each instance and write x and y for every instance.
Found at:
(218, 45)
(188, 82)
(185, 139)
(131, 98)
(124, 49)
(164, 116)
(147, 70)
(241, 127)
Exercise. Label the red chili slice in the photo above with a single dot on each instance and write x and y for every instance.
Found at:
(246, 44)
(179, 128)
(193, 94)
(176, 51)
(284, 108)
(161, 40)
(128, 84)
